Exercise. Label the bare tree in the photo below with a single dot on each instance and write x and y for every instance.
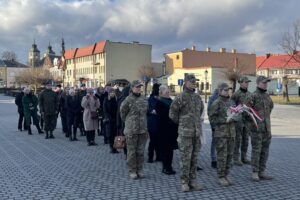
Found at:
(146, 73)
(234, 72)
(34, 77)
(9, 55)
(290, 43)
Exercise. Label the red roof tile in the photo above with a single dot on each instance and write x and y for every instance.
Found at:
(85, 51)
(277, 62)
(70, 53)
(100, 47)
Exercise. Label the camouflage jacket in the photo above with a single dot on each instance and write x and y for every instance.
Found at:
(263, 104)
(48, 102)
(186, 111)
(243, 97)
(218, 116)
(133, 112)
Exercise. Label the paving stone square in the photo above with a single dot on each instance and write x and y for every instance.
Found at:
(34, 168)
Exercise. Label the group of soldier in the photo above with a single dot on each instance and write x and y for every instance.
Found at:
(229, 133)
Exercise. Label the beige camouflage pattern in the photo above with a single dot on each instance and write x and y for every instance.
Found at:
(186, 111)
(261, 137)
(224, 134)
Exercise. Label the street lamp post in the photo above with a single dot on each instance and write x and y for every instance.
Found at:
(205, 76)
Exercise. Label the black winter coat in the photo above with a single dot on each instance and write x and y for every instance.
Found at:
(73, 105)
(167, 129)
(18, 102)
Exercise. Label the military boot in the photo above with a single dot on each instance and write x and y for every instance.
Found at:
(141, 174)
(195, 186)
(255, 176)
(238, 163)
(51, 135)
(133, 176)
(185, 187)
(246, 161)
(29, 130)
(264, 176)
(229, 181)
(39, 129)
(47, 135)
(223, 182)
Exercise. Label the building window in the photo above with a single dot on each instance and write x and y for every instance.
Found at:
(177, 57)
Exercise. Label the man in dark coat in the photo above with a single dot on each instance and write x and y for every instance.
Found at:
(73, 105)
(18, 102)
(48, 103)
(62, 107)
(81, 94)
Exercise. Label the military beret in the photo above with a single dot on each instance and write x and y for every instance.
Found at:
(223, 86)
(262, 79)
(136, 83)
(189, 77)
(244, 79)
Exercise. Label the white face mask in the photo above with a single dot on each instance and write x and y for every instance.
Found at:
(120, 89)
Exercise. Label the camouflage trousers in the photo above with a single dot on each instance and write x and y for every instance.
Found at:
(241, 142)
(224, 147)
(189, 148)
(135, 152)
(50, 122)
(260, 150)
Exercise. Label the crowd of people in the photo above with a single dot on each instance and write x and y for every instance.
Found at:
(168, 124)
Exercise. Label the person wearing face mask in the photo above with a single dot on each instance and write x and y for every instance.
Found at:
(48, 102)
(73, 114)
(133, 112)
(90, 103)
(186, 111)
(224, 132)
(242, 97)
(30, 103)
(261, 136)
(110, 108)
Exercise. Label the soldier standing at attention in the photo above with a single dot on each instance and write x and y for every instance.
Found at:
(261, 137)
(224, 132)
(48, 103)
(242, 96)
(133, 112)
(186, 111)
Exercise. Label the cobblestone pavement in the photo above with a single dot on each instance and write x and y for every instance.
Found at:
(34, 168)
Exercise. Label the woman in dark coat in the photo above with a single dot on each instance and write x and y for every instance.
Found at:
(110, 107)
(152, 125)
(167, 130)
(73, 109)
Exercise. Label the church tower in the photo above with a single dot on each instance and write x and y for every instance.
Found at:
(62, 47)
(49, 51)
(34, 56)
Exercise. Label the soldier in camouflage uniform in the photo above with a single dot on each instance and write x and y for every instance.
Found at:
(242, 96)
(133, 112)
(48, 102)
(224, 132)
(261, 137)
(186, 111)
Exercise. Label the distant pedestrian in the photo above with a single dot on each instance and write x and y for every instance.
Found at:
(81, 93)
(30, 103)
(224, 132)
(152, 122)
(133, 113)
(73, 105)
(261, 136)
(167, 130)
(110, 107)
(48, 103)
(90, 103)
(186, 111)
(18, 102)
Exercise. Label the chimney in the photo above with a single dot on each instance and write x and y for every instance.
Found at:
(268, 55)
(222, 50)
(207, 49)
(194, 48)
(233, 51)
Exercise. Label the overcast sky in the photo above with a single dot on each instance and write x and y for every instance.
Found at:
(169, 25)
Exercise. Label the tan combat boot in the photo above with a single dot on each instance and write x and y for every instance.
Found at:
(133, 176)
(255, 176)
(195, 186)
(229, 181)
(140, 174)
(264, 176)
(223, 182)
(185, 187)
